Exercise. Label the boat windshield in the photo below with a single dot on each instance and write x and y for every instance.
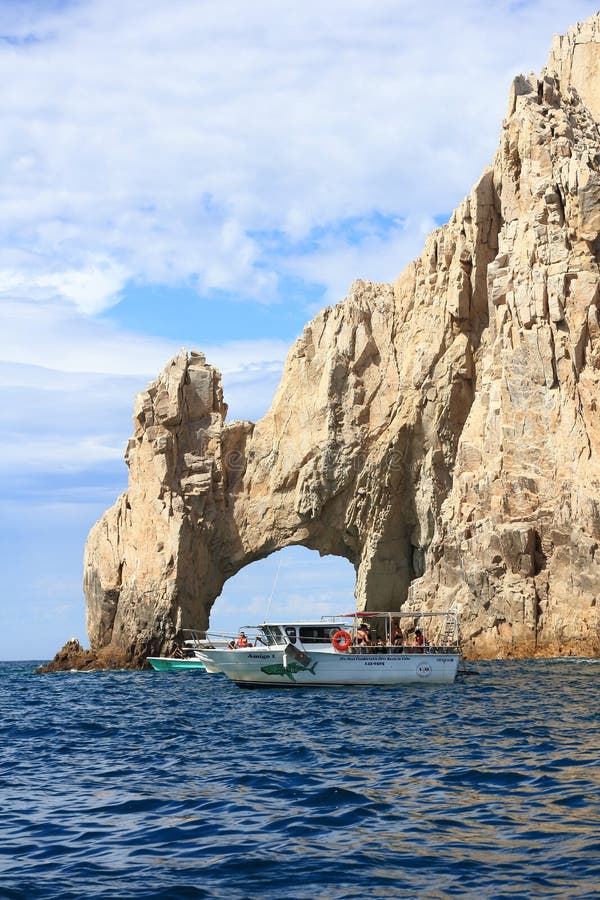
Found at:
(273, 634)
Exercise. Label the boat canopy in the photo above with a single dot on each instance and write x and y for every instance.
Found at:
(394, 613)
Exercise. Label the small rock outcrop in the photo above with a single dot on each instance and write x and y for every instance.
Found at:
(72, 656)
(441, 433)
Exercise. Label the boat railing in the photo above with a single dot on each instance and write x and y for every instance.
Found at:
(405, 632)
(254, 637)
(204, 640)
(387, 649)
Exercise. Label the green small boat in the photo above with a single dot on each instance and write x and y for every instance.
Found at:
(186, 652)
(174, 664)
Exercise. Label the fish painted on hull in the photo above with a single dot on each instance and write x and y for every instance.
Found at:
(290, 670)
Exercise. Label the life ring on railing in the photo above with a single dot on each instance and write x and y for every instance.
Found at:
(341, 641)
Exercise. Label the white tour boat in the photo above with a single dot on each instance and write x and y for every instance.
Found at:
(351, 649)
(187, 655)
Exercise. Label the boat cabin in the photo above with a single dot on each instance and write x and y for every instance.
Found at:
(308, 635)
(364, 632)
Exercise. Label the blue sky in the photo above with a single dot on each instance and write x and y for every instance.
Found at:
(209, 175)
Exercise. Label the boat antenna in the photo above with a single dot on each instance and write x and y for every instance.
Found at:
(273, 590)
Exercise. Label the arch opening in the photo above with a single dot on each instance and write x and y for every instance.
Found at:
(294, 582)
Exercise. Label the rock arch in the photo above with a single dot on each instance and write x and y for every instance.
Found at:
(206, 498)
(440, 433)
(338, 464)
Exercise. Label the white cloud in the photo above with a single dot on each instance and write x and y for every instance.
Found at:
(160, 140)
(58, 454)
(53, 337)
(373, 257)
(90, 289)
(67, 385)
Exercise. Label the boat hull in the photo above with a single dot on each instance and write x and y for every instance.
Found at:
(172, 664)
(266, 668)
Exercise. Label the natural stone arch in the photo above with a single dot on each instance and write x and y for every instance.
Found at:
(440, 433)
(331, 467)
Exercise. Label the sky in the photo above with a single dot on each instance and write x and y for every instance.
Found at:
(209, 175)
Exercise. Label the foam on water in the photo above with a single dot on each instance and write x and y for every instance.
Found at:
(176, 785)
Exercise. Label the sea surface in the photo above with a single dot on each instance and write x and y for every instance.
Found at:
(181, 785)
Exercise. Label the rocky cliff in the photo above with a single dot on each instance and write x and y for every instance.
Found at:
(440, 433)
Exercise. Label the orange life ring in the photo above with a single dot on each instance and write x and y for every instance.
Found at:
(341, 641)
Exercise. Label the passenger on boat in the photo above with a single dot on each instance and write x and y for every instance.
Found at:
(363, 635)
(419, 640)
(396, 637)
(242, 640)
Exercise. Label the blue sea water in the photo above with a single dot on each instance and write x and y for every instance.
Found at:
(181, 785)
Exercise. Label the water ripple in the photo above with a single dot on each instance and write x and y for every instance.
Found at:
(148, 785)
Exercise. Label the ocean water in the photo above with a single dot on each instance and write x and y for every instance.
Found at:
(181, 785)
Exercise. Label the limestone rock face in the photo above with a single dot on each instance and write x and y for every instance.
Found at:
(575, 62)
(440, 433)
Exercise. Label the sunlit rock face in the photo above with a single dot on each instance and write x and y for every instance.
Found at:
(440, 433)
